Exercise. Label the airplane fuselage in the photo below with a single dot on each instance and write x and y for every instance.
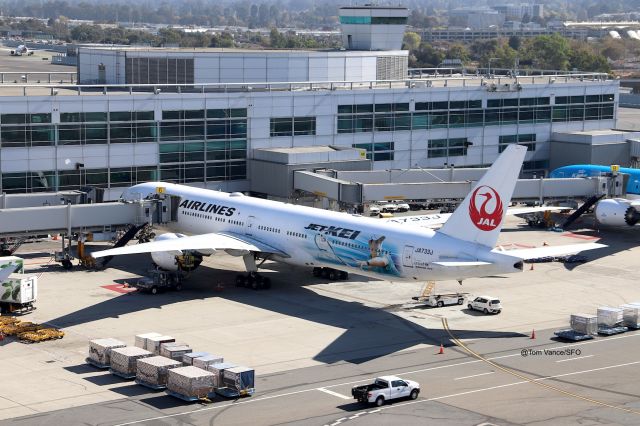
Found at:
(320, 238)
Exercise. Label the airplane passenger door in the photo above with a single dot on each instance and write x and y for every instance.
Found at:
(407, 256)
(249, 224)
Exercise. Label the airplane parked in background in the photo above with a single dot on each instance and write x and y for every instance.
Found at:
(21, 50)
(614, 211)
(259, 229)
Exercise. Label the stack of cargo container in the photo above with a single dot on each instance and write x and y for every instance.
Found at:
(124, 361)
(189, 383)
(631, 316)
(100, 351)
(141, 340)
(610, 321)
(174, 350)
(218, 372)
(583, 327)
(153, 344)
(189, 357)
(153, 372)
(205, 361)
(237, 381)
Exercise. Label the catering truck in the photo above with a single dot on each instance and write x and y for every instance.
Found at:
(18, 291)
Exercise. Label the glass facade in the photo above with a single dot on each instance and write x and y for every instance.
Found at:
(193, 145)
(471, 113)
(377, 151)
(373, 20)
(455, 147)
(292, 126)
(528, 140)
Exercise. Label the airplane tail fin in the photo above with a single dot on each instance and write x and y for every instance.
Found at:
(480, 217)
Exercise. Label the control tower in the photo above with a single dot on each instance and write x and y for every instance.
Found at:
(372, 27)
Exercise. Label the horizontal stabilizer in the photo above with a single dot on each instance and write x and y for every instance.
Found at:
(462, 263)
(545, 251)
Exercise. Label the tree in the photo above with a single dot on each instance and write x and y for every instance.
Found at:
(458, 51)
(411, 41)
(514, 42)
(583, 58)
(548, 52)
(427, 56)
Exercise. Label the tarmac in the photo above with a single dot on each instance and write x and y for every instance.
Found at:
(311, 340)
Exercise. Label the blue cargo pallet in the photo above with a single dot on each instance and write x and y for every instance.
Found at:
(96, 364)
(150, 385)
(183, 397)
(610, 331)
(572, 335)
(233, 393)
(123, 375)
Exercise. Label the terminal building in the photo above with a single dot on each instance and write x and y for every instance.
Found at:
(210, 117)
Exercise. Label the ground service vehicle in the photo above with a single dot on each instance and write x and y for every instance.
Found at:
(386, 388)
(441, 300)
(486, 304)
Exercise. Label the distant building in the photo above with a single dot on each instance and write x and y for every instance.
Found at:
(475, 18)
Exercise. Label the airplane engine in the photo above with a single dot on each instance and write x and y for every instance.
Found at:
(616, 213)
(170, 261)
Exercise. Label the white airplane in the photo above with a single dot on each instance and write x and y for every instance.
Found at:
(21, 50)
(339, 242)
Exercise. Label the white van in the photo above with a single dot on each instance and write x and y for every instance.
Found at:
(486, 304)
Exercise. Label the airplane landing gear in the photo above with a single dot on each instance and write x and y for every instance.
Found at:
(330, 274)
(254, 281)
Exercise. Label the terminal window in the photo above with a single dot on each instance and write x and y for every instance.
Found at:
(443, 148)
(293, 126)
(528, 140)
(377, 151)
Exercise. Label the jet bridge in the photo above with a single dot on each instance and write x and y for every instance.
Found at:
(77, 221)
(356, 188)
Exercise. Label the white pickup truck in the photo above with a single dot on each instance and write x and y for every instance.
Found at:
(386, 388)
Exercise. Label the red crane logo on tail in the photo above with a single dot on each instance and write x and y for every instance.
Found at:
(487, 198)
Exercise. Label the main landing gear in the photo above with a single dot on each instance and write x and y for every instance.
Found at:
(254, 281)
(330, 274)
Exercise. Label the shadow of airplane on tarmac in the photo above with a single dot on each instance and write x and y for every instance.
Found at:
(368, 332)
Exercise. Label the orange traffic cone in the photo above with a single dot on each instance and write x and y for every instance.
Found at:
(533, 334)
(531, 269)
(441, 351)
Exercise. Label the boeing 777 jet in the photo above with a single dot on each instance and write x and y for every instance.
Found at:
(257, 229)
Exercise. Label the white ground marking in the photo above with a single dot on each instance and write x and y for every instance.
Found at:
(475, 375)
(330, 392)
(574, 359)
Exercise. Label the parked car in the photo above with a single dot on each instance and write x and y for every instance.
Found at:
(386, 388)
(402, 207)
(390, 208)
(374, 210)
(486, 304)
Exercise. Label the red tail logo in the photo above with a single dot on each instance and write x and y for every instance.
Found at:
(488, 199)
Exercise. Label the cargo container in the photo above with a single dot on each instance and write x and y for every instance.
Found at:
(124, 361)
(631, 316)
(18, 292)
(153, 343)
(174, 350)
(609, 317)
(141, 340)
(153, 372)
(205, 361)
(584, 323)
(100, 351)
(189, 357)
(189, 383)
(218, 372)
(237, 381)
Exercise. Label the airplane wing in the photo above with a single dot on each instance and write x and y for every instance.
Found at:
(438, 219)
(532, 253)
(205, 242)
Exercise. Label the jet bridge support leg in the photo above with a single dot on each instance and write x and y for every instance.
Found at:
(252, 279)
